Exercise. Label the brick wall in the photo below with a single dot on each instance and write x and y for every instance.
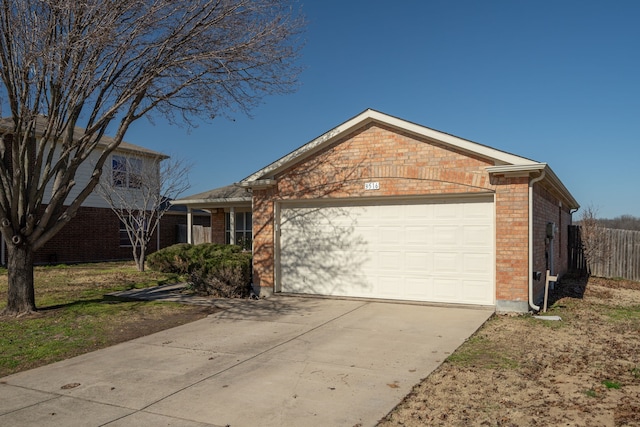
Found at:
(547, 208)
(263, 245)
(512, 237)
(218, 227)
(94, 235)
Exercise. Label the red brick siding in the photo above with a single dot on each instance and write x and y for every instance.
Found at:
(263, 245)
(403, 165)
(218, 227)
(512, 237)
(94, 235)
(547, 208)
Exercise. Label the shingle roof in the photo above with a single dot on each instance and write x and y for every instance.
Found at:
(227, 195)
(6, 123)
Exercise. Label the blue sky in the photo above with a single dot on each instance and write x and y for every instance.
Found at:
(554, 81)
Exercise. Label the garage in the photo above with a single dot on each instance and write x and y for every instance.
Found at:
(417, 249)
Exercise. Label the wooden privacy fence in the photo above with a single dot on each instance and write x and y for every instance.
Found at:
(622, 257)
(201, 234)
(577, 261)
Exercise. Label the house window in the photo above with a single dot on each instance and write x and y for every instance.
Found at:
(125, 242)
(126, 172)
(242, 233)
(124, 237)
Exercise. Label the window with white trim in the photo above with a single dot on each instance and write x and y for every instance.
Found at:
(126, 171)
(242, 233)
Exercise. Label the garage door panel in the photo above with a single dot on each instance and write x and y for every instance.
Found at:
(390, 261)
(390, 235)
(418, 262)
(388, 287)
(476, 264)
(418, 212)
(446, 263)
(445, 289)
(445, 235)
(475, 290)
(475, 235)
(418, 288)
(446, 211)
(418, 235)
(477, 211)
(441, 252)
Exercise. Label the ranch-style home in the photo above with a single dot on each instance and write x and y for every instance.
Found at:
(380, 207)
(96, 233)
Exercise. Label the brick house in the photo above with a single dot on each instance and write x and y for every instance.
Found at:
(96, 233)
(230, 212)
(379, 207)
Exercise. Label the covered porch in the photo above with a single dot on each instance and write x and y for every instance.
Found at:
(231, 219)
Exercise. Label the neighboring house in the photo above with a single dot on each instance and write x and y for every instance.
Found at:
(96, 233)
(384, 208)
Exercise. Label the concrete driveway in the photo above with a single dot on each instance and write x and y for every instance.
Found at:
(283, 361)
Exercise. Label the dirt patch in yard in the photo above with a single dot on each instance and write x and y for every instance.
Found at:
(520, 371)
(139, 324)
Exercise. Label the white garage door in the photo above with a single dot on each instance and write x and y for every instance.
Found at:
(437, 251)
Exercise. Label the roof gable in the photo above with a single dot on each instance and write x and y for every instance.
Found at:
(368, 116)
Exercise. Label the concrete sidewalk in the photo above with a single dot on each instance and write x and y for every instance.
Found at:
(282, 361)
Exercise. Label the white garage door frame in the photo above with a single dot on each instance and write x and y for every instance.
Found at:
(485, 203)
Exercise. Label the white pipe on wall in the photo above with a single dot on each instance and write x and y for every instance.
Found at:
(531, 182)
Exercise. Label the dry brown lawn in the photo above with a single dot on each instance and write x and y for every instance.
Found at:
(519, 371)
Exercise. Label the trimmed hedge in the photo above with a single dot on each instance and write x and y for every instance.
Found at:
(219, 270)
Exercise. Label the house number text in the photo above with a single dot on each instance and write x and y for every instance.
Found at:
(371, 185)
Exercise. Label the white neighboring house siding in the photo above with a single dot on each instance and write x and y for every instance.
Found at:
(83, 175)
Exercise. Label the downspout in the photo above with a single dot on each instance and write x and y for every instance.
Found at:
(531, 182)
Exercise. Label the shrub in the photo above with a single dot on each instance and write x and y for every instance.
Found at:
(172, 259)
(219, 270)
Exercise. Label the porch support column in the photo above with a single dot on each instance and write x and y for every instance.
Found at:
(232, 225)
(189, 225)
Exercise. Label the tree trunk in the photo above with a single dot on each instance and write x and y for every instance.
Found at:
(139, 257)
(141, 260)
(21, 294)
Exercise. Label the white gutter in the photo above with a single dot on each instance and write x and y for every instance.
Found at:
(531, 182)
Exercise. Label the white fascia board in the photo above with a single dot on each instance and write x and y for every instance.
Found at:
(550, 177)
(512, 169)
(259, 183)
(555, 182)
(211, 202)
(362, 119)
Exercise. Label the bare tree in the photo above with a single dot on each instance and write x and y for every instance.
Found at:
(622, 222)
(139, 192)
(74, 69)
(595, 244)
